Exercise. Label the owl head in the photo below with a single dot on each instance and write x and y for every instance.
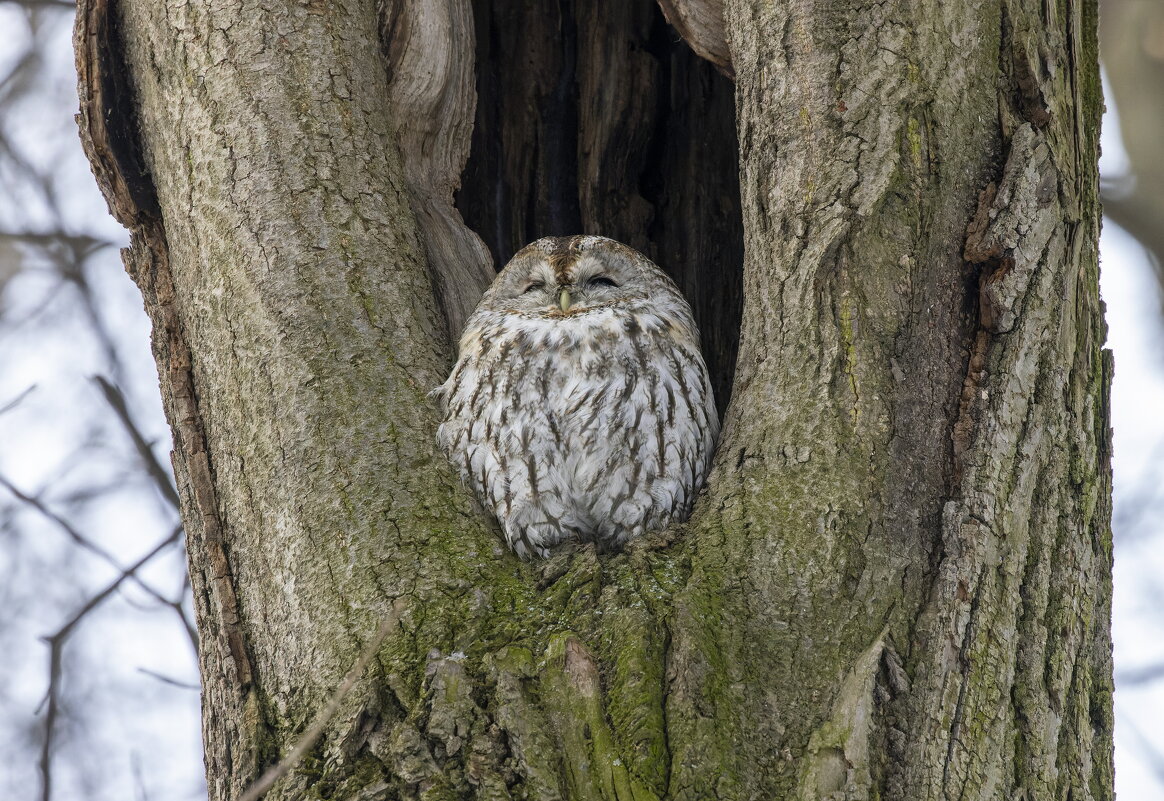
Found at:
(568, 277)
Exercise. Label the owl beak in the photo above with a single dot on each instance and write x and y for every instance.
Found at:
(564, 299)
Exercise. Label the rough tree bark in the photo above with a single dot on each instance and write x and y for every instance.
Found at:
(897, 584)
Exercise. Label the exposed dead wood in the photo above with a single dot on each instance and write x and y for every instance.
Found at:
(430, 49)
(700, 23)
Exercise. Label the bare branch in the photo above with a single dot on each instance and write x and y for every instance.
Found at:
(79, 538)
(72, 267)
(1139, 213)
(185, 685)
(187, 624)
(56, 648)
(79, 243)
(41, 3)
(159, 474)
(12, 404)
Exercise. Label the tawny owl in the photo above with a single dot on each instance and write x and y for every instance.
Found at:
(580, 405)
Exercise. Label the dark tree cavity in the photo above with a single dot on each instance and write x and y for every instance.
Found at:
(595, 117)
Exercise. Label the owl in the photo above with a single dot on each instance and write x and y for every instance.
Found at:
(579, 406)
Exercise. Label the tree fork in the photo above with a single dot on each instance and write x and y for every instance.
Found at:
(898, 582)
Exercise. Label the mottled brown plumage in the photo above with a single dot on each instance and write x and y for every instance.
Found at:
(580, 406)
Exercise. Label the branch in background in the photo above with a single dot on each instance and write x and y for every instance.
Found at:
(12, 404)
(1141, 214)
(153, 674)
(89, 545)
(1132, 41)
(77, 537)
(161, 477)
(56, 648)
(187, 623)
(71, 266)
(62, 4)
(49, 245)
(79, 243)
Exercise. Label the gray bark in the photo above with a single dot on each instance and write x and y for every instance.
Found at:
(897, 585)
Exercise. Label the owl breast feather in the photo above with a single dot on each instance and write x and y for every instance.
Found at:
(598, 426)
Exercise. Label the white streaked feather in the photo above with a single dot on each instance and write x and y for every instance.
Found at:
(549, 438)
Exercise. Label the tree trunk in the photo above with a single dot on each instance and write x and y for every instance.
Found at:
(897, 584)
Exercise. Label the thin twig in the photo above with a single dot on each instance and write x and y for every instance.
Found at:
(12, 404)
(180, 610)
(187, 626)
(307, 741)
(71, 267)
(62, 4)
(138, 779)
(56, 648)
(78, 537)
(44, 239)
(161, 477)
(164, 679)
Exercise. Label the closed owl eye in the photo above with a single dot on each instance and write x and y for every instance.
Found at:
(602, 280)
(533, 285)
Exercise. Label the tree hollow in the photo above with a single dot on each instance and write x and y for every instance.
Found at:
(597, 118)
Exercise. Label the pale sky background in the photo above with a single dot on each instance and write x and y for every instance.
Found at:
(123, 733)
(126, 733)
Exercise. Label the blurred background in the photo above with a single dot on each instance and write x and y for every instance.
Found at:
(98, 670)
